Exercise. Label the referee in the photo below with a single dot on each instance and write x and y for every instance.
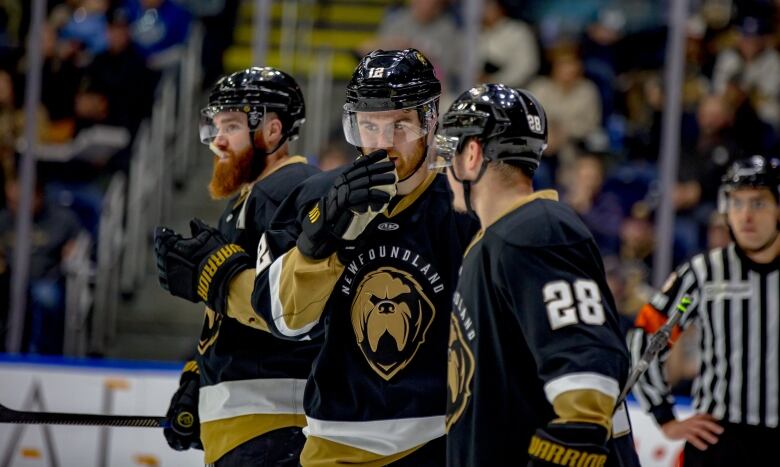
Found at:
(736, 305)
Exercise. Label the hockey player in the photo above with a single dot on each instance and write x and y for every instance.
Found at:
(736, 307)
(536, 360)
(242, 394)
(377, 255)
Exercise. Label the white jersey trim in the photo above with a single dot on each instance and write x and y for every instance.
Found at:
(277, 310)
(251, 396)
(577, 381)
(383, 437)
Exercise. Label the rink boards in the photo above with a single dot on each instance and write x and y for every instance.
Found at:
(143, 388)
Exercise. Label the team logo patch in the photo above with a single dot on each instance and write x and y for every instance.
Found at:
(391, 316)
(460, 371)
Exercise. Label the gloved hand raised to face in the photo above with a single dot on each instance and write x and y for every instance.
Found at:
(198, 269)
(184, 432)
(357, 196)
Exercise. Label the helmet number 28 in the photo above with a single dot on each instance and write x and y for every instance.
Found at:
(569, 303)
(534, 123)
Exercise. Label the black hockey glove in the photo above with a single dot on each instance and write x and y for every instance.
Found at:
(184, 432)
(199, 268)
(568, 444)
(357, 196)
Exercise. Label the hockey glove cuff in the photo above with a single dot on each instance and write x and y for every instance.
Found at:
(568, 444)
(358, 195)
(198, 269)
(184, 432)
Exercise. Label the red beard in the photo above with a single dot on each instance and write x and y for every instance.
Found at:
(230, 174)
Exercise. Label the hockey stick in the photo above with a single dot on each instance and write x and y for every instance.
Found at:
(59, 418)
(657, 343)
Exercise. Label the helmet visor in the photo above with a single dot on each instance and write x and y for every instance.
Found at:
(390, 128)
(228, 121)
(445, 148)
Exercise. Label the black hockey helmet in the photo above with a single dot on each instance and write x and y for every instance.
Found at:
(392, 80)
(384, 83)
(510, 123)
(255, 91)
(754, 172)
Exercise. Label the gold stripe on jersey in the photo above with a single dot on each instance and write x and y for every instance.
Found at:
(320, 452)
(240, 301)
(541, 194)
(246, 189)
(407, 200)
(191, 366)
(305, 285)
(221, 436)
(290, 160)
(477, 237)
(584, 406)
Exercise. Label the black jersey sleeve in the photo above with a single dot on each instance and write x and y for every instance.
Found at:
(560, 298)
(290, 290)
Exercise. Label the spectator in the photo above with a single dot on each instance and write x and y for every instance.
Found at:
(61, 78)
(572, 101)
(87, 26)
(53, 234)
(601, 212)
(119, 75)
(755, 65)
(157, 26)
(507, 47)
(427, 26)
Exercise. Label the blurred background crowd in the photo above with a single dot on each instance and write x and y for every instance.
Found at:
(123, 79)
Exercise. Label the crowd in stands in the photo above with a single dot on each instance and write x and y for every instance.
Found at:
(102, 61)
(597, 66)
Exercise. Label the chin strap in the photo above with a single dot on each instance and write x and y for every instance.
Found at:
(467, 187)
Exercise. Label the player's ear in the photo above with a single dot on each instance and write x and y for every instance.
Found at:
(473, 156)
(272, 130)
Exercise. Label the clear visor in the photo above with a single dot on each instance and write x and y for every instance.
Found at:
(386, 129)
(227, 123)
(445, 148)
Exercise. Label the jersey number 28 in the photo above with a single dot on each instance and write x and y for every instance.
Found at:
(569, 303)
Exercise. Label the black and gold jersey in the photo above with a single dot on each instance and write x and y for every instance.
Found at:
(251, 382)
(382, 302)
(534, 337)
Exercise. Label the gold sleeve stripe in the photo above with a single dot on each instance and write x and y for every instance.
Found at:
(584, 406)
(191, 366)
(240, 301)
(320, 452)
(300, 287)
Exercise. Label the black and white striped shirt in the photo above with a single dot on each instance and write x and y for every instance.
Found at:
(736, 304)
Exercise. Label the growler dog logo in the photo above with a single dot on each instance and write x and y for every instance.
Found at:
(390, 315)
(460, 371)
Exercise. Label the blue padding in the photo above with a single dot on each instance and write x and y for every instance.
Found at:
(135, 365)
